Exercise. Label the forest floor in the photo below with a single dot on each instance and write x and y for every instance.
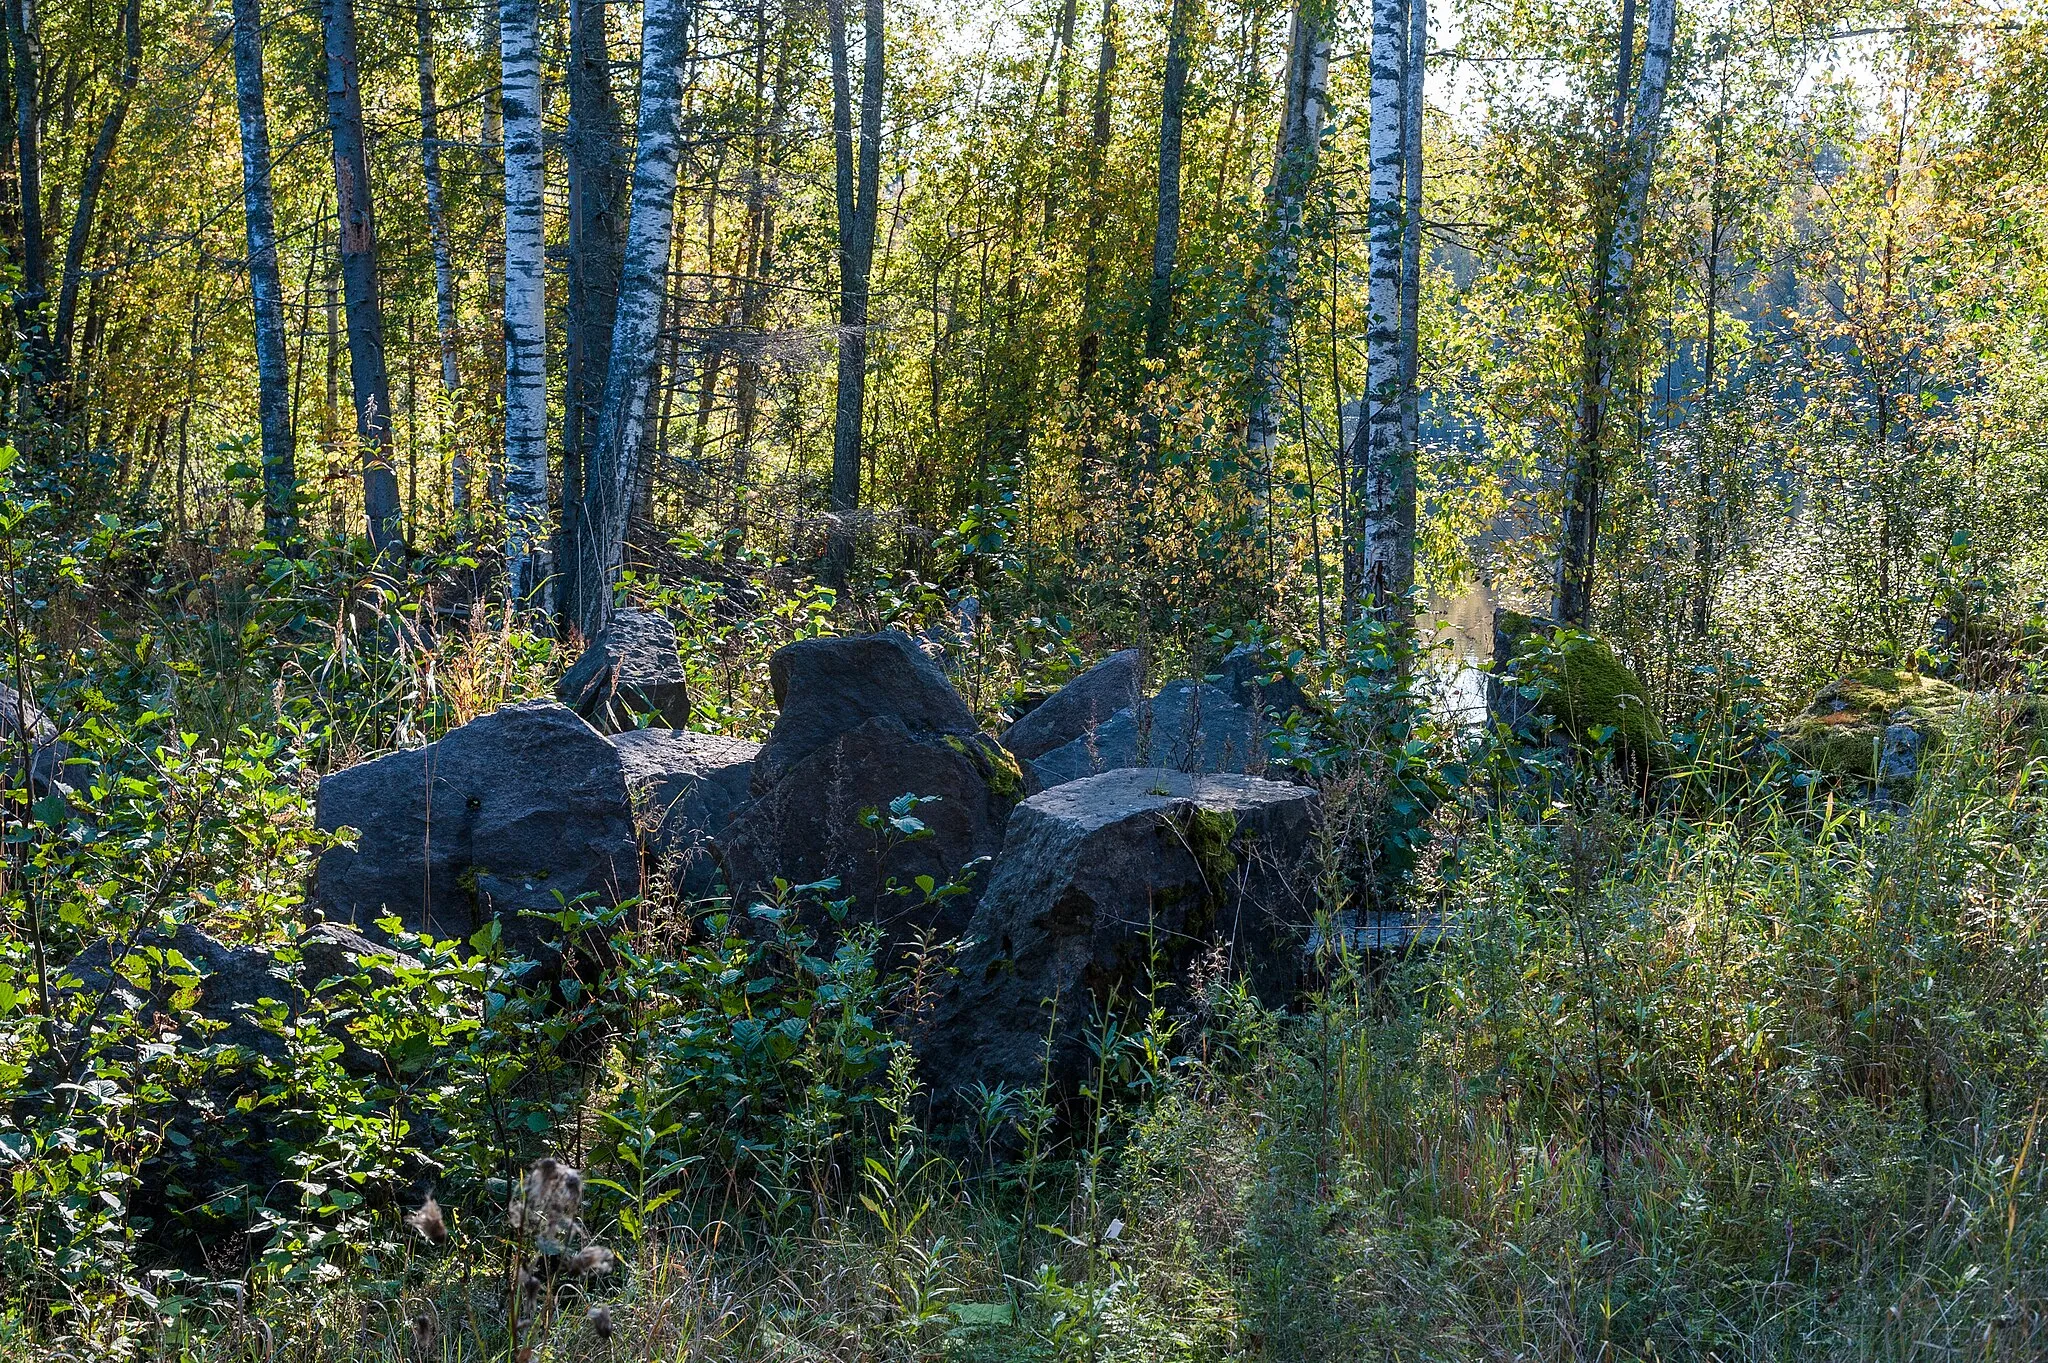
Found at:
(1751, 1069)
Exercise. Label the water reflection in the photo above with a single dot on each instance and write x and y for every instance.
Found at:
(1461, 630)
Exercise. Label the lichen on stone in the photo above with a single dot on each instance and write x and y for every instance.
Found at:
(999, 770)
(1210, 833)
(1842, 732)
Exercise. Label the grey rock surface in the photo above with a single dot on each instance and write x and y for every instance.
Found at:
(828, 687)
(1106, 885)
(1188, 726)
(1083, 704)
(1252, 676)
(516, 812)
(809, 825)
(633, 667)
(686, 787)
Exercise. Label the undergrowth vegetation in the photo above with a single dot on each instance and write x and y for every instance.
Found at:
(1728, 1060)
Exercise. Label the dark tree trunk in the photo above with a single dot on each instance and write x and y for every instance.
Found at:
(96, 163)
(25, 44)
(597, 237)
(437, 216)
(266, 290)
(1166, 230)
(358, 237)
(859, 199)
(636, 328)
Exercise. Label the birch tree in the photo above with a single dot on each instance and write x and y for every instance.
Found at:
(358, 251)
(636, 327)
(527, 568)
(1620, 230)
(858, 193)
(1383, 465)
(266, 290)
(1303, 115)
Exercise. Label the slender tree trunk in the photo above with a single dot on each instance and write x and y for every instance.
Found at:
(10, 184)
(1614, 266)
(96, 162)
(636, 328)
(358, 237)
(1412, 112)
(24, 35)
(527, 571)
(266, 289)
(1706, 448)
(1053, 197)
(1166, 230)
(859, 199)
(330, 413)
(1385, 563)
(1303, 114)
(763, 193)
(437, 228)
(1089, 352)
(597, 212)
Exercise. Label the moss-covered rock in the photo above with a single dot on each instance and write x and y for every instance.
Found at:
(1844, 732)
(1579, 683)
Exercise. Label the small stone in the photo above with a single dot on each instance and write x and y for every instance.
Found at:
(632, 668)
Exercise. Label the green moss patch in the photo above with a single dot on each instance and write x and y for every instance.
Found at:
(1586, 689)
(1842, 731)
(999, 769)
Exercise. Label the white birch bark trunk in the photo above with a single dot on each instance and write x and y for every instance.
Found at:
(1294, 170)
(636, 326)
(1645, 132)
(1377, 584)
(527, 533)
(1411, 286)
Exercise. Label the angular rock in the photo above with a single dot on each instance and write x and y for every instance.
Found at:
(221, 1153)
(1252, 678)
(1083, 704)
(1104, 881)
(50, 767)
(1188, 726)
(809, 825)
(18, 714)
(633, 667)
(828, 687)
(521, 810)
(228, 981)
(685, 787)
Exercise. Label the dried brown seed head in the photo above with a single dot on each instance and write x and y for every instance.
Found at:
(429, 1222)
